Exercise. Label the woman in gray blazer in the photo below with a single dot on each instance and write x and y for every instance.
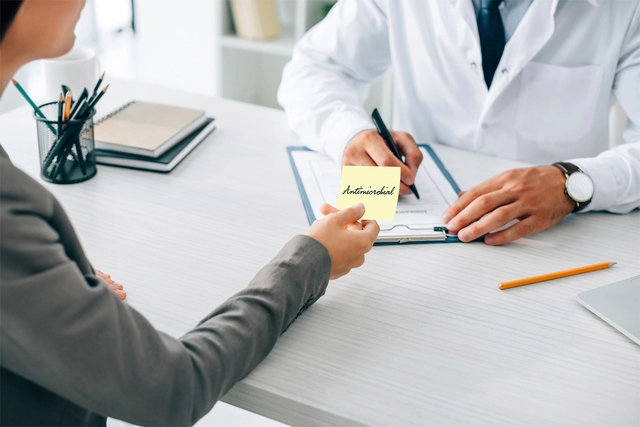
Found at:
(72, 352)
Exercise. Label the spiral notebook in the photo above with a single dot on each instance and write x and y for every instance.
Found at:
(146, 129)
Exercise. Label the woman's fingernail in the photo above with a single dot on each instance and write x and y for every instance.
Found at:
(464, 235)
(451, 228)
(446, 218)
(488, 240)
(359, 207)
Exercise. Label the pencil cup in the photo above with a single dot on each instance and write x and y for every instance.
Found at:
(67, 149)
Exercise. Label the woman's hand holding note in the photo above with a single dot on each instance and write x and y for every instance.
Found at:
(346, 238)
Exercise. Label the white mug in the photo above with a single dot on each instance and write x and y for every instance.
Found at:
(77, 69)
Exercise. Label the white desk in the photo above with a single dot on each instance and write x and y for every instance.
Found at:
(419, 335)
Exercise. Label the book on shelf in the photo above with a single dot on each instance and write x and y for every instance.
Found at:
(165, 162)
(145, 128)
(255, 19)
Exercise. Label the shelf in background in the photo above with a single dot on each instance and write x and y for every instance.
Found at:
(282, 45)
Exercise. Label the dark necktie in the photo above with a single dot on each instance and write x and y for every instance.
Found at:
(491, 33)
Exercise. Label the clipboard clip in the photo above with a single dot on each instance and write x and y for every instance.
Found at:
(437, 233)
(416, 228)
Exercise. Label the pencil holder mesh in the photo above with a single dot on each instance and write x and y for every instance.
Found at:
(67, 149)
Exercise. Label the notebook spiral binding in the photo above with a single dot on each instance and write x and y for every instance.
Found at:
(113, 113)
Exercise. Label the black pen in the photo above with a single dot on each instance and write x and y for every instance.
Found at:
(60, 112)
(78, 103)
(95, 99)
(384, 133)
(81, 101)
(95, 89)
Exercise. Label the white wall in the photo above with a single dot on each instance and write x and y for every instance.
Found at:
(175, 46)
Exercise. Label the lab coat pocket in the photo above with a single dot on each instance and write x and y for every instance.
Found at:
(557, 104)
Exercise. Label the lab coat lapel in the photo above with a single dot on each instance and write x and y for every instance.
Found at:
(466, 12)
(533, 32)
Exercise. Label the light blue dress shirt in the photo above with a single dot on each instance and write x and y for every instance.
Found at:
(511, 12)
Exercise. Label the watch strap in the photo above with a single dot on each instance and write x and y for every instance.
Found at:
(567, 168)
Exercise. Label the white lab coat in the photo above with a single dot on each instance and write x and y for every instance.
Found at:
(549, 101)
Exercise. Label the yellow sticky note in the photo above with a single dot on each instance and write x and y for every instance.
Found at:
(376, 187)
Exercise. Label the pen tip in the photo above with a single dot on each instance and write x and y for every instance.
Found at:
(61, 98)
(106, 87)
(15, 82)
(612, 263)
(102, 76)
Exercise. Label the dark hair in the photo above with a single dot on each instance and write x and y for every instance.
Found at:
(8, 10)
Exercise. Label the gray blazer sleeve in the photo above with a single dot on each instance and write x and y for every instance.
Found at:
(63, 329)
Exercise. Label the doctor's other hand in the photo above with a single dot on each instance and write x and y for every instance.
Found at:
(367, 148)
(346, 238)
(534, 196)
(115, 287)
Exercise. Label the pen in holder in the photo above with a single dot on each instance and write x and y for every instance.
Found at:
(67, 148)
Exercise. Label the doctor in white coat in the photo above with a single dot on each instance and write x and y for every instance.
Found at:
(521, 79)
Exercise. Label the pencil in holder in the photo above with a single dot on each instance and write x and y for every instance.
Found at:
(67, 148)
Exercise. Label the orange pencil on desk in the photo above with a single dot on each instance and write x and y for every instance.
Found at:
(556, 275)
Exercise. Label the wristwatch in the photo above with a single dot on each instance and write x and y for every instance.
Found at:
(578, 185)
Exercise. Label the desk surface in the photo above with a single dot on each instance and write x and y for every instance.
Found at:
(419, 335)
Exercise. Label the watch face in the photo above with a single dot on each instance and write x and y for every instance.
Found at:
(580, 187)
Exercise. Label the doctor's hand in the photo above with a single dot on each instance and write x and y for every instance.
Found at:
(346, 238)
(367, 148)
(115, 287)
(534, 196)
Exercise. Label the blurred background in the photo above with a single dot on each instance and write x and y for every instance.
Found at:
(193, 45)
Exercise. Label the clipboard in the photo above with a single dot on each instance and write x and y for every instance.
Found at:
(392, 234)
